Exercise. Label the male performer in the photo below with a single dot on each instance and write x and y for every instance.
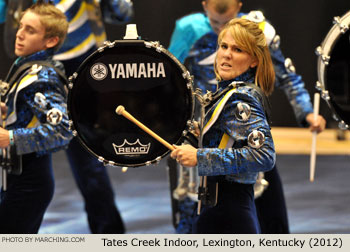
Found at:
(85, 33)
(36, 118)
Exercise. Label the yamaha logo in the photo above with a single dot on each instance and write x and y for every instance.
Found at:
(127, 148)
(99, 71)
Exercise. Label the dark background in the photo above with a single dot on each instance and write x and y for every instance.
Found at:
(302, 25)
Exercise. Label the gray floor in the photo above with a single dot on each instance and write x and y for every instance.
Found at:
(142, 195)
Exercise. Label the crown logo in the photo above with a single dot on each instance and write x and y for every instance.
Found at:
(127, 148)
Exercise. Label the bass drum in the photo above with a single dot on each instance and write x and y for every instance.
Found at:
(149, 82)
(334, 70)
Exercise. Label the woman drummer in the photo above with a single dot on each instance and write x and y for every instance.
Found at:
(236, 138)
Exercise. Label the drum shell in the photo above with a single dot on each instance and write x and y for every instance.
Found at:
(334, 68)
(149, 82)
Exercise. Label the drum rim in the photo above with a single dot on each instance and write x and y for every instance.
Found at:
(328, 44)
(148, 44)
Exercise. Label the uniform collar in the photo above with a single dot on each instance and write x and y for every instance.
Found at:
(41, 55)
(248, 76)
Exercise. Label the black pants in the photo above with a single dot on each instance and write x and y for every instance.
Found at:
(28, 195)
(234, 213)
(271, 206)
(92, 179)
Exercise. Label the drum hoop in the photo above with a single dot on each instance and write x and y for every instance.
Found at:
(148, 44)
(328, 43)
(324, 52)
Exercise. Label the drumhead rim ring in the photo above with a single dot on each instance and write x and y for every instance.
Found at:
(148, 44)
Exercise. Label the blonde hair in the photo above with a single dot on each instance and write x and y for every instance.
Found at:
(251, 39)
(53, 19)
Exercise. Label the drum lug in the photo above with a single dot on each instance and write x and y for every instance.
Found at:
(148, 163)
(187, 76)
(159, 48)
(343, 27)
(154, 44)
(101, 159)
(70, 125)
(319, 86)
(73, 77)
(318, 51)
(343, 126)
(325, 95)
(109, 44)
(325, 58)
(158, 159)
(189, 86)
(106, 44)
(75, 133)
(148, 44)
(111, 163)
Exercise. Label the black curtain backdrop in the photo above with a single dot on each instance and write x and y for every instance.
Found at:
(301, 24)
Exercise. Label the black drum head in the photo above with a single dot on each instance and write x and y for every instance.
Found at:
(151, 87)
(337, 77)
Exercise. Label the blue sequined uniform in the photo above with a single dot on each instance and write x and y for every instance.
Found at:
(194, 43)
(36, 135)
(229, 157)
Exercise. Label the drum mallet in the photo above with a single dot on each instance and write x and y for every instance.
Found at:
(121, 111)
(314, 136)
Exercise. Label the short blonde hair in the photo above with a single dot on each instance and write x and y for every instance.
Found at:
(251, 39)
(53, 19)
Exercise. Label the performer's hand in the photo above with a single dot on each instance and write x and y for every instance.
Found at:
(186, 155)
(317, 125)
(4, 138)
